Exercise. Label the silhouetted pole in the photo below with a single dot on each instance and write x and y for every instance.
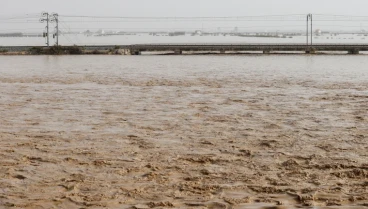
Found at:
(56, 20)
(45, 14)
(311, 17)
(307, 29)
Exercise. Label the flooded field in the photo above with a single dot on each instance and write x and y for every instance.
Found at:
(258, 132)
(81, 40)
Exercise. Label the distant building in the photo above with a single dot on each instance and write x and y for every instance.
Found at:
(177, 33)
(318, 32)
(100, 32)
(198, 33)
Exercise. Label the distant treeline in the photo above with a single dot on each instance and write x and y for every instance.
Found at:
(19, 35)
(11, 34)
(70, 50)
(56, 50)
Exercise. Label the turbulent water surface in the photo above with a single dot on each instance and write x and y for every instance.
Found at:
(266, 132)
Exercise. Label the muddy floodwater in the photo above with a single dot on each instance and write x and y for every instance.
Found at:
(216, 132)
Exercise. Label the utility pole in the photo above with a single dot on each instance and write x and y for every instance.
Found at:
(45, 17)
(307, 29)
(55, 18)
(311, 17)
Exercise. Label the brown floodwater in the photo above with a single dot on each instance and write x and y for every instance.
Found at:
(258, 132)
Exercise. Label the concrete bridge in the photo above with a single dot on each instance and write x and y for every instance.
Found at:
(219, 48)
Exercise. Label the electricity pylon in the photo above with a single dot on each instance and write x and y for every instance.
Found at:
(45, 18)
(55, 18)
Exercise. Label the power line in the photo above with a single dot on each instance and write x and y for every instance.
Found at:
(63, 25)
(260, 17)
(19, 17)
(222, 27)
(17, 22)
(101, 19)
(23, 29)
(150, 21)
(188, 28)
(341, 15)
(193, 17)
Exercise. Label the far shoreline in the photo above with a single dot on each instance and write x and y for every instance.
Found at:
(106, 53)
(170, 50)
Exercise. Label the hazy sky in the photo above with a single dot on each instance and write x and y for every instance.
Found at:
(181, 8)
(184, 7)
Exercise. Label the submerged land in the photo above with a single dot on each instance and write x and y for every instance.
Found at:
(174, 132)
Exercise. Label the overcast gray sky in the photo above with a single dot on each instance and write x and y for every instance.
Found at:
(181, 8)
(184, 7)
